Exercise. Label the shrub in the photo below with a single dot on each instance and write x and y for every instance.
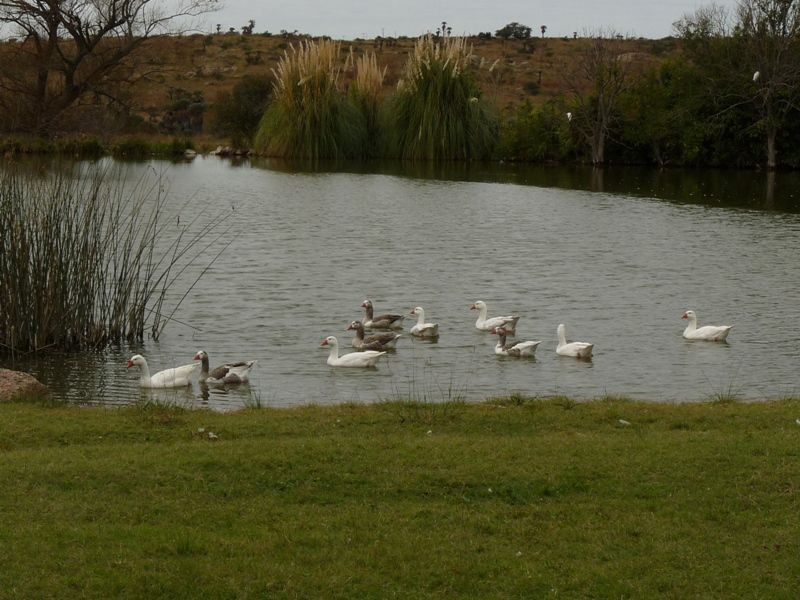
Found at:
(437, 112)
(237, 114)
(365, 93)
(309, 116)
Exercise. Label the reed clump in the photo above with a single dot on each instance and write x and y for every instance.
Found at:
(310, 117)
(437, 112)
(84, 263)
(365, 93)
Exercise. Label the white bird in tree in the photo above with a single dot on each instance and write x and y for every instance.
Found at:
(569, 116)
(756, 75)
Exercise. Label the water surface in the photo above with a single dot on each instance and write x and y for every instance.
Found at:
(616, 256)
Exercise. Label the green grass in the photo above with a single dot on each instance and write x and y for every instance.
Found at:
(512, 498)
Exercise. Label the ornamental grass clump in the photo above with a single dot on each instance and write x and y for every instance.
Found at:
(437, 112)
(309, 116)
(365, 93)
(84, 263)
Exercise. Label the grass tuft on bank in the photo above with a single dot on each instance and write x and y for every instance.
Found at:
(514, 497)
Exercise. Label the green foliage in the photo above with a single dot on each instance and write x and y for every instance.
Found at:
(536, 134)
(142, 148)
(514, 30)
(309, 116)
(238, 114)
(437, 112)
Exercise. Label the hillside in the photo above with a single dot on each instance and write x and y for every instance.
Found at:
(202, 67)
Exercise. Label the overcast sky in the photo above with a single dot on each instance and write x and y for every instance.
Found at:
(348, 19)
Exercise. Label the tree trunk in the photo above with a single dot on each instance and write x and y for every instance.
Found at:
(598, 147)
(772, 161)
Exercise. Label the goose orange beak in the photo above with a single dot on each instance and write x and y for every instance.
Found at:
(130, 364)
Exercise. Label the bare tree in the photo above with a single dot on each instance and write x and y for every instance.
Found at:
(73, 49)
(595, 82)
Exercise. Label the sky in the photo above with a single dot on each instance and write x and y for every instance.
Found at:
(349, 19)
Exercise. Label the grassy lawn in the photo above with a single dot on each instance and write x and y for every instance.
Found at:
(512, 498)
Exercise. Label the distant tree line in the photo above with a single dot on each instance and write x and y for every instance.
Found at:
(728, 95)
(731, 97)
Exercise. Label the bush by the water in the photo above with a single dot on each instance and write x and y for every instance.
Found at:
(310, 117)
(437, 112)
(236, 115)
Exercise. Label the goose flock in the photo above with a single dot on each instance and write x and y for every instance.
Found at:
(370, 349)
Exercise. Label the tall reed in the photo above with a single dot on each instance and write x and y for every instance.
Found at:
(437, 112)
(365, 93)
(84, 263)
(309, 116)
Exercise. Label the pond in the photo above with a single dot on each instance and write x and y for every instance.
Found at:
(616, 255)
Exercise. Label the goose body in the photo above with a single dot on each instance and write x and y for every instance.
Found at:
(387, 321)
(168, 378)
(383, 341)
(509, 323)
(423, 329)
(238, 372)
(367, 358)
(711, 333)
(516, 349)
(574, 349)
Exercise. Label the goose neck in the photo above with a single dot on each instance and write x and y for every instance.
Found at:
(144, 373)
(562, 336)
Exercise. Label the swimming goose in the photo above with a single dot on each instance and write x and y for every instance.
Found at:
(228, 373)
(368, 358)
(711, 333)
(383, 341)
(575, 349)
(484, 324)
(168, 378)
(387, 321)
(517, 349)
(423, 329)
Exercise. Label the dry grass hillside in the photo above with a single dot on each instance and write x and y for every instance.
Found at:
(206, 65)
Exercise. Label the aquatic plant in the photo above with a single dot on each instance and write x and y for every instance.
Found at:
(309, 116)
(84, 263)
(437, 112)
(365, 93)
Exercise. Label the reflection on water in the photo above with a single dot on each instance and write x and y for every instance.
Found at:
(602, 252)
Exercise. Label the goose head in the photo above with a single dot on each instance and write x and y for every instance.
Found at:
(136, 360)
(689, 314)
(502, 331)
(330, 341)
(416, 311)
(354, 326)
(479, 305)
(366, 304)
(201, 355)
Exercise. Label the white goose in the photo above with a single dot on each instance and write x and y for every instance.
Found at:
(228, 373)
(711, 333)
(484, 324)
(423, 329)
(168, 378)
(367, 358)
(575, 349)
(517, 349)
